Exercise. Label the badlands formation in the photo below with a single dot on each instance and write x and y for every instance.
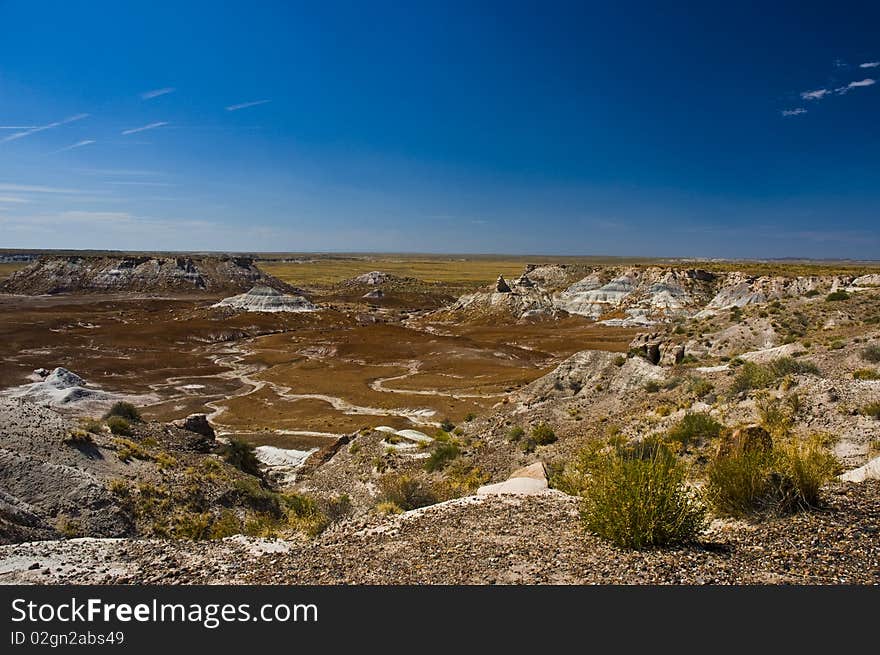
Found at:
(402, 435)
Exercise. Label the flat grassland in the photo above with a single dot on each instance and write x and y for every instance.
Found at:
(8, 268)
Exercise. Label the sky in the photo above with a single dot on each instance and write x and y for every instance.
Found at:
(642, 129)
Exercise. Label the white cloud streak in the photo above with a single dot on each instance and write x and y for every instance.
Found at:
(793, 112)
(78, 144)
(870, 64)
(245, 105)
(41, 128)
(854, 85)
(144, 128)
(155, 93)
(13, 199)
(31, 188)
(818, 94)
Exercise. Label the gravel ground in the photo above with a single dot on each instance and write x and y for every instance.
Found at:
(505, 540)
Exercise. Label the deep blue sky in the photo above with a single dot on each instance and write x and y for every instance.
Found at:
(554, 128)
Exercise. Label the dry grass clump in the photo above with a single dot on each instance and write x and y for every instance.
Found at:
(780, 480)
(752, 376)
(124, 410)
(406, 492)
(695, 427)
(640, 499)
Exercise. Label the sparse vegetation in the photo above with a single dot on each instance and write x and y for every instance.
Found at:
(242, 456)
(78, 437)
(695, 427)
(640, 502)
(442, 453)
(119, 426)
(871, 409)
(751, 376)
(836, 296)
(866, 374)
(871, 354)
(124, 410)
(446, 425)
(780, 480)
(405, 491)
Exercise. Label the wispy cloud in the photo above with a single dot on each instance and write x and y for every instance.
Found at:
(144, 128)
(13, 199)
(133, 183)
(245, 105)
(17, 127)
(797, 111)
(155, 93)
(33, 188)
(78, 144)
(41, 128)
(116, 171)
(818, 94)
(870, 64)
(855, 85)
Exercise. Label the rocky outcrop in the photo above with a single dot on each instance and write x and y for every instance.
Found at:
(267, 299)
(501, 285)
(142, 274)
(870, 471)
(373, 278)
(197, 423)
(375, 294)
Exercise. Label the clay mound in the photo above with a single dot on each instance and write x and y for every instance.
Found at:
(61, 388)
(144, 274)
(267, 299)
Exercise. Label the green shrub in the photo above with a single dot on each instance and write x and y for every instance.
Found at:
(442, 453)
(543, 434)
(695, 427)
(119, 426)
(871, 354)
(469, 417)
(638, 502)
(872, 410)
(406, 492)
(866, 374)
(620, 360)
(78, 437)
(446, 425)
(93, 425)
(242, 456)
(700, 387)
(515, 433)
(785, 479)
(652, 387)
(124, 410)
(837, 296)
(751, 376)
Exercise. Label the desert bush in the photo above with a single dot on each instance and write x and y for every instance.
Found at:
(751, 376)
(515, 433)
(469, 417)
(695, 427)
(464, 476)
(866, 374)
(387, 507)
(442, 453)
(774, 417)
(124, 410)
(652, 387)
(77, 437)
(781, 480)
(700, 387)
(637, 502)
(242, 456)
(871, 353)
(872, 410)
(93, 425)
(543, 434)
(119, 426)
(446, 425)
(620, 360)
(837, 296)
(405, 491)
